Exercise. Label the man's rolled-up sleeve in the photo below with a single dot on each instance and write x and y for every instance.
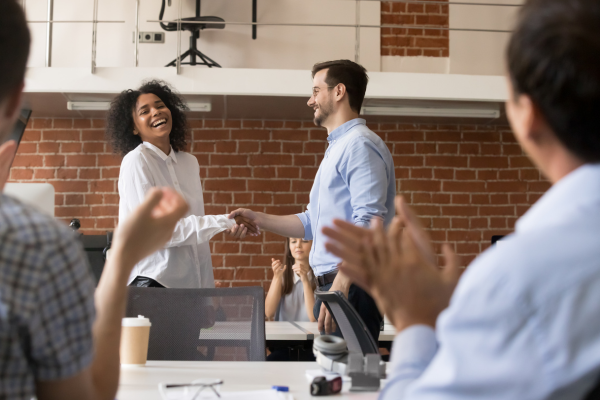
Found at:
(306, 222)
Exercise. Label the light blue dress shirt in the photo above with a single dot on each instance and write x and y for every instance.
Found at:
(524, 320)
(355, 182)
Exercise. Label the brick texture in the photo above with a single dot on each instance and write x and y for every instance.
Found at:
(467, 182)
(410, 42)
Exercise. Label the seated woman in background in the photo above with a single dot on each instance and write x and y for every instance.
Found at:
(148, 126)
(291, 296)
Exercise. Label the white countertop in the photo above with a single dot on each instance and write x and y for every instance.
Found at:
(141, 383)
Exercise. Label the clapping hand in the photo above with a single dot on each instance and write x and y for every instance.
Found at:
(301, 270)
(278, 269)
(396, 267)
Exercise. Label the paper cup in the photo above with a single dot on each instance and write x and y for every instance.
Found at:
(135, 333)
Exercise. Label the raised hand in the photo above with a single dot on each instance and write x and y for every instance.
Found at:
(398, 267)
(150, 225)
(278, 269)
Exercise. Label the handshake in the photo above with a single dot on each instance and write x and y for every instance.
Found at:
(245, 225)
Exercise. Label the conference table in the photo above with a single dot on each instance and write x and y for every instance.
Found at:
(141, 383)
(311, 328)
(239, 376)
(298, 336)
(276, 332)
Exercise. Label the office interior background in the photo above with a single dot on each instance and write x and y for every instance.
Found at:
(435, 98)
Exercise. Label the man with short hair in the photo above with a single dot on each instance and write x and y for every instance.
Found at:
(522, 323)
(355, 182)
(54, 344)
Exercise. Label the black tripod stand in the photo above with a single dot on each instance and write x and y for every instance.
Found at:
(192, 52)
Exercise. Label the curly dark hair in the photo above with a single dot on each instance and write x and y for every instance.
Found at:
(119, 121)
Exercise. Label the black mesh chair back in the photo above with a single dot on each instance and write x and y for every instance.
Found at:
(593, 394)
(225, 324)
(357, 336)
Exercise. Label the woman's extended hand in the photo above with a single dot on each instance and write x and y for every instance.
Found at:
(278, 268)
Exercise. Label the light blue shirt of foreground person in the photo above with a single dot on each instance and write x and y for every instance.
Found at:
(355, 182)
(524, 321)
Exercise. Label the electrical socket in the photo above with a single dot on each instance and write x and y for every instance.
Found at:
(149, 37)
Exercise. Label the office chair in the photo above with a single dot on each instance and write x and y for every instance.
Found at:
(354, 330)
(225, 324)
(194, 29)
(593, 394)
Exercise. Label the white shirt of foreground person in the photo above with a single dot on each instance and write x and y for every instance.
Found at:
(523, 322)
(185, 261)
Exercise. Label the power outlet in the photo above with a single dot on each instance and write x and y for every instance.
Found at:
(150, 37)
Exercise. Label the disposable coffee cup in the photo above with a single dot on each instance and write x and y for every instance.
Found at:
(135, 333)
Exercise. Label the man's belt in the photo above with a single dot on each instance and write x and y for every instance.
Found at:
(326, 279)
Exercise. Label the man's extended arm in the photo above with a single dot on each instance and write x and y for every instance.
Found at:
(284, 225)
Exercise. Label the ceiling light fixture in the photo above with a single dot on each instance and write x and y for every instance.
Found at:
(452, 112)
(88, 105)
(105, 105)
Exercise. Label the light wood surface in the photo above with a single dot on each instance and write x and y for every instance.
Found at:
(141, 383)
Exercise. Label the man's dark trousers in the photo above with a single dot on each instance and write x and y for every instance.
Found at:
(362, 303)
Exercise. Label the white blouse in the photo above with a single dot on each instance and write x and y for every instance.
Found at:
(185, 261)
(292, 307)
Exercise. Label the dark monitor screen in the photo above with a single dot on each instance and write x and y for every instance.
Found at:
(496, 238)
(19, 128)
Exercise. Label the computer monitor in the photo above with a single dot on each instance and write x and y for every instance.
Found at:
(497, 238)
(37, 195)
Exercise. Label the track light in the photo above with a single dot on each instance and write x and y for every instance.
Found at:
(105, 105)
(452, 112)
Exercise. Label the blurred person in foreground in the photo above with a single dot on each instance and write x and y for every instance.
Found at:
(59, 339)
(522, 322)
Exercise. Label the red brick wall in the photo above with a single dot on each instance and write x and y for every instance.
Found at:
(467, 182)
(414, 41)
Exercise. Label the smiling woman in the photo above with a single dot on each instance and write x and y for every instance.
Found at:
(126, 111)
(148, 127)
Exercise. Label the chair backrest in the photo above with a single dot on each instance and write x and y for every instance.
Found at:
(593, 394)
(94, 246)
(355, 332)
(226, 324)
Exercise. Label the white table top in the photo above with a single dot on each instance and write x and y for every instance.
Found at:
(276, 330)
(141, 383)
(387, 335)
